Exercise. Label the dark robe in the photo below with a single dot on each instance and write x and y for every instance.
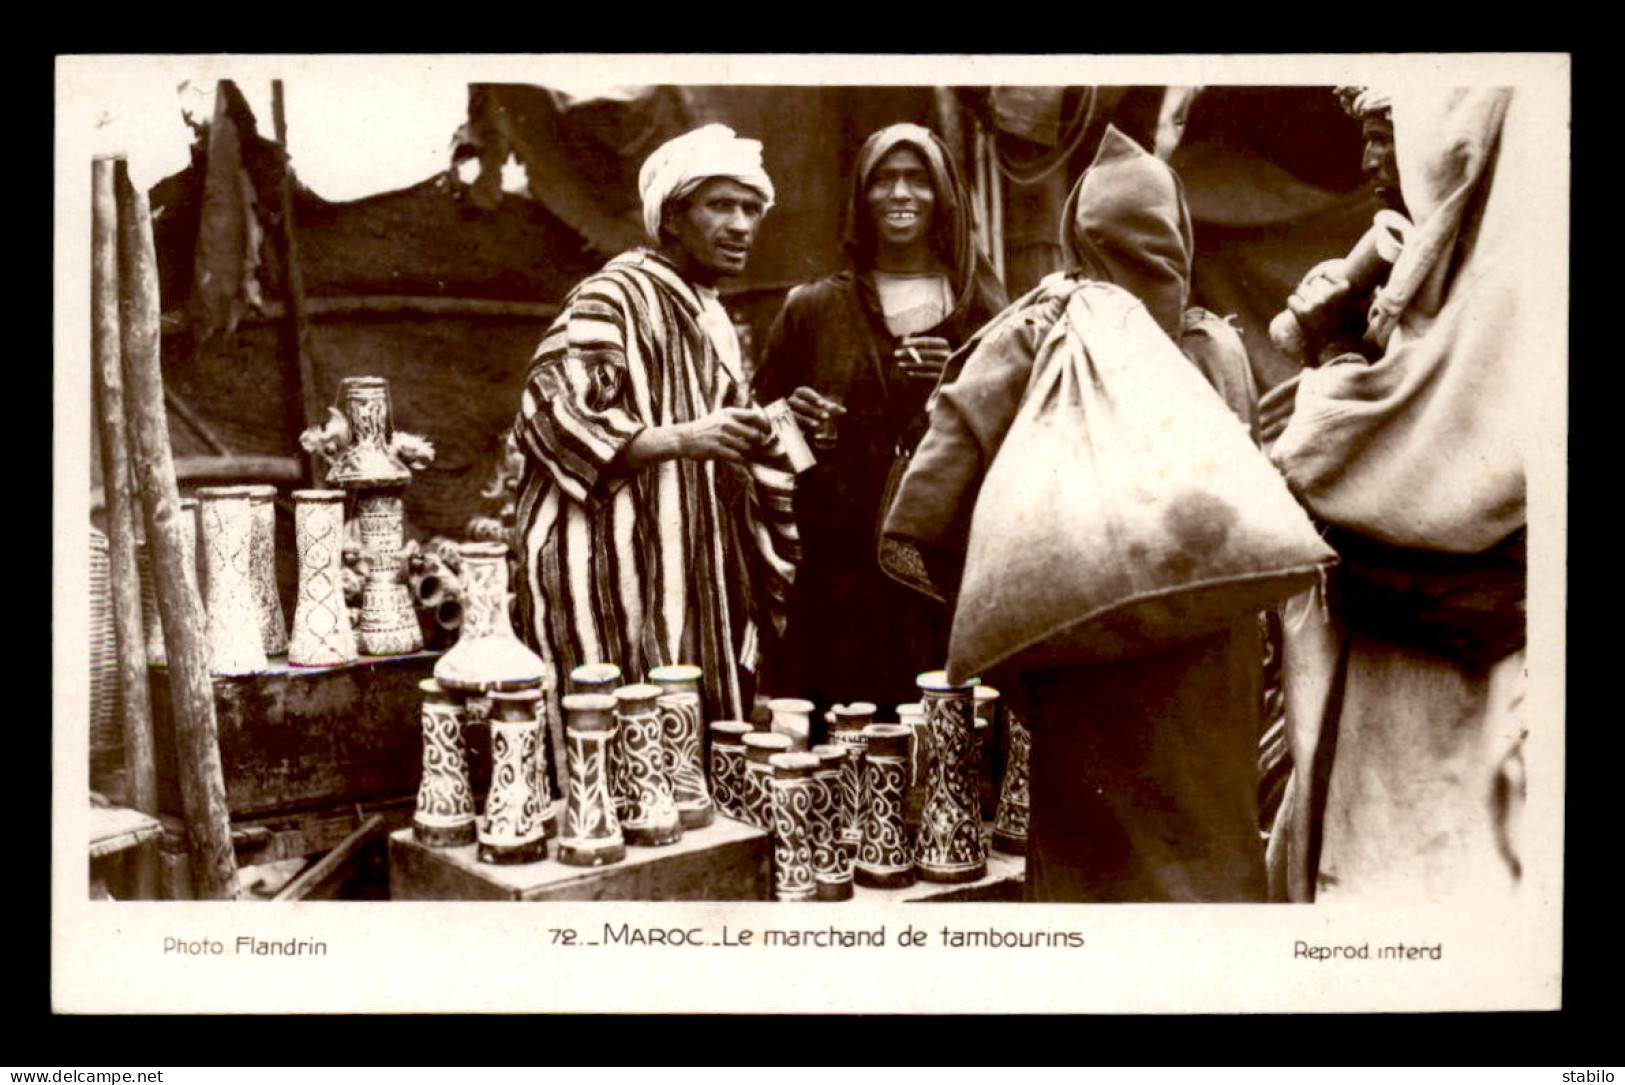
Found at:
(854, 634)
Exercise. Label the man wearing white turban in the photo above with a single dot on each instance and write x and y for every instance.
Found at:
(1405, 677)
(654, 513)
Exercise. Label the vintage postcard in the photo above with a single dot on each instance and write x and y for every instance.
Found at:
(344, 249)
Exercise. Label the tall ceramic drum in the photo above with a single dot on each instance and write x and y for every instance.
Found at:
(604, 678)
(513, 830)
(389, 625)
(1010, 821)
(832, 863)
(886, 856)
(321, 622)
(760, 748)
(445, 810)
(273, 626)
(986, 707)
(728, 766)
(235, 642)
(792, 800)
(591, 834)
(680, 738)
(948, 846)
(846, 728)
(792, 717)
(650, 817)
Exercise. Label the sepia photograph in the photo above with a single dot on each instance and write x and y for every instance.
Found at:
(741, 533)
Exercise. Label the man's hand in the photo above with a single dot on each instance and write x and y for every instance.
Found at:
(729, 434)
(922, 357)
(1321, 305)
(817, 416)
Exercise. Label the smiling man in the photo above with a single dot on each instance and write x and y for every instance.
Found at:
(856, 355)
(654, 516)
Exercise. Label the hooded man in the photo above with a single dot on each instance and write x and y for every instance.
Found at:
(1406, 677)
(856, 354)
(1143, 770)
(654, 512)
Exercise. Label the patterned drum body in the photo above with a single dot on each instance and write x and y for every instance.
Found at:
(513, 830)
(1010, 822)
(792, 789)
(728, 766)
(591, 834)
(389, 625)
(235, 640)
(680, 730)
(650, 818)
(948, 846)
(760, 746)
(445, 810)
(885, 856)
(321, 622)
(273, 626)
(847, 723)
(832, 863)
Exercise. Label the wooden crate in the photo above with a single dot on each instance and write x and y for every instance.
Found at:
(297, 737)
(727, 860)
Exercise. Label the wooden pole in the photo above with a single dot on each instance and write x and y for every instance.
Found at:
(296, 287)
(197, 752)
(140, 766)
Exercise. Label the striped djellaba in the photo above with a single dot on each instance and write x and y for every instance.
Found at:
(683, 561)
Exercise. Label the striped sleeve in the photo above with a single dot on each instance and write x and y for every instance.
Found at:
(575, 413)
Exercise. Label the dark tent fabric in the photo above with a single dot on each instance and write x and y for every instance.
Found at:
(1272, 175)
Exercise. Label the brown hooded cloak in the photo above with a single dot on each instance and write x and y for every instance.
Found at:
(1143, 771)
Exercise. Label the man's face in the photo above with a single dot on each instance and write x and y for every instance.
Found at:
(714, 228)
(1378, 163)
(901, 199)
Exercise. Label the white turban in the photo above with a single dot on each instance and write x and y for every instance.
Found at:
(1362, 102)
(679, 166)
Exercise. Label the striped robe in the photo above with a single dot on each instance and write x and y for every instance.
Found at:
(683, 561)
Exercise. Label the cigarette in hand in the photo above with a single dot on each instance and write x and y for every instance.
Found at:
(917, 359)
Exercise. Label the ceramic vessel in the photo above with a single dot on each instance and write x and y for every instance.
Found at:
(677, 678)
(602, 678)
(235, 642)
(513, 829)
(728, 766)
(832, 863)
(388, 624)
(846, 728)
(650, 809)
(445, 810)
(948, 845)
(488, 656)
(1010, 822)
(792, 798)
(886, 856)
(760, 747)
(591, 834)
(680, 735)
(912, 716)
(273, 625)
(792, 717)
(367, 460)
(321, 633)
(987, 707)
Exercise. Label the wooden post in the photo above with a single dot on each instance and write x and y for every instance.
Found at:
(203, 786)
(296, 287)
(140, 766)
